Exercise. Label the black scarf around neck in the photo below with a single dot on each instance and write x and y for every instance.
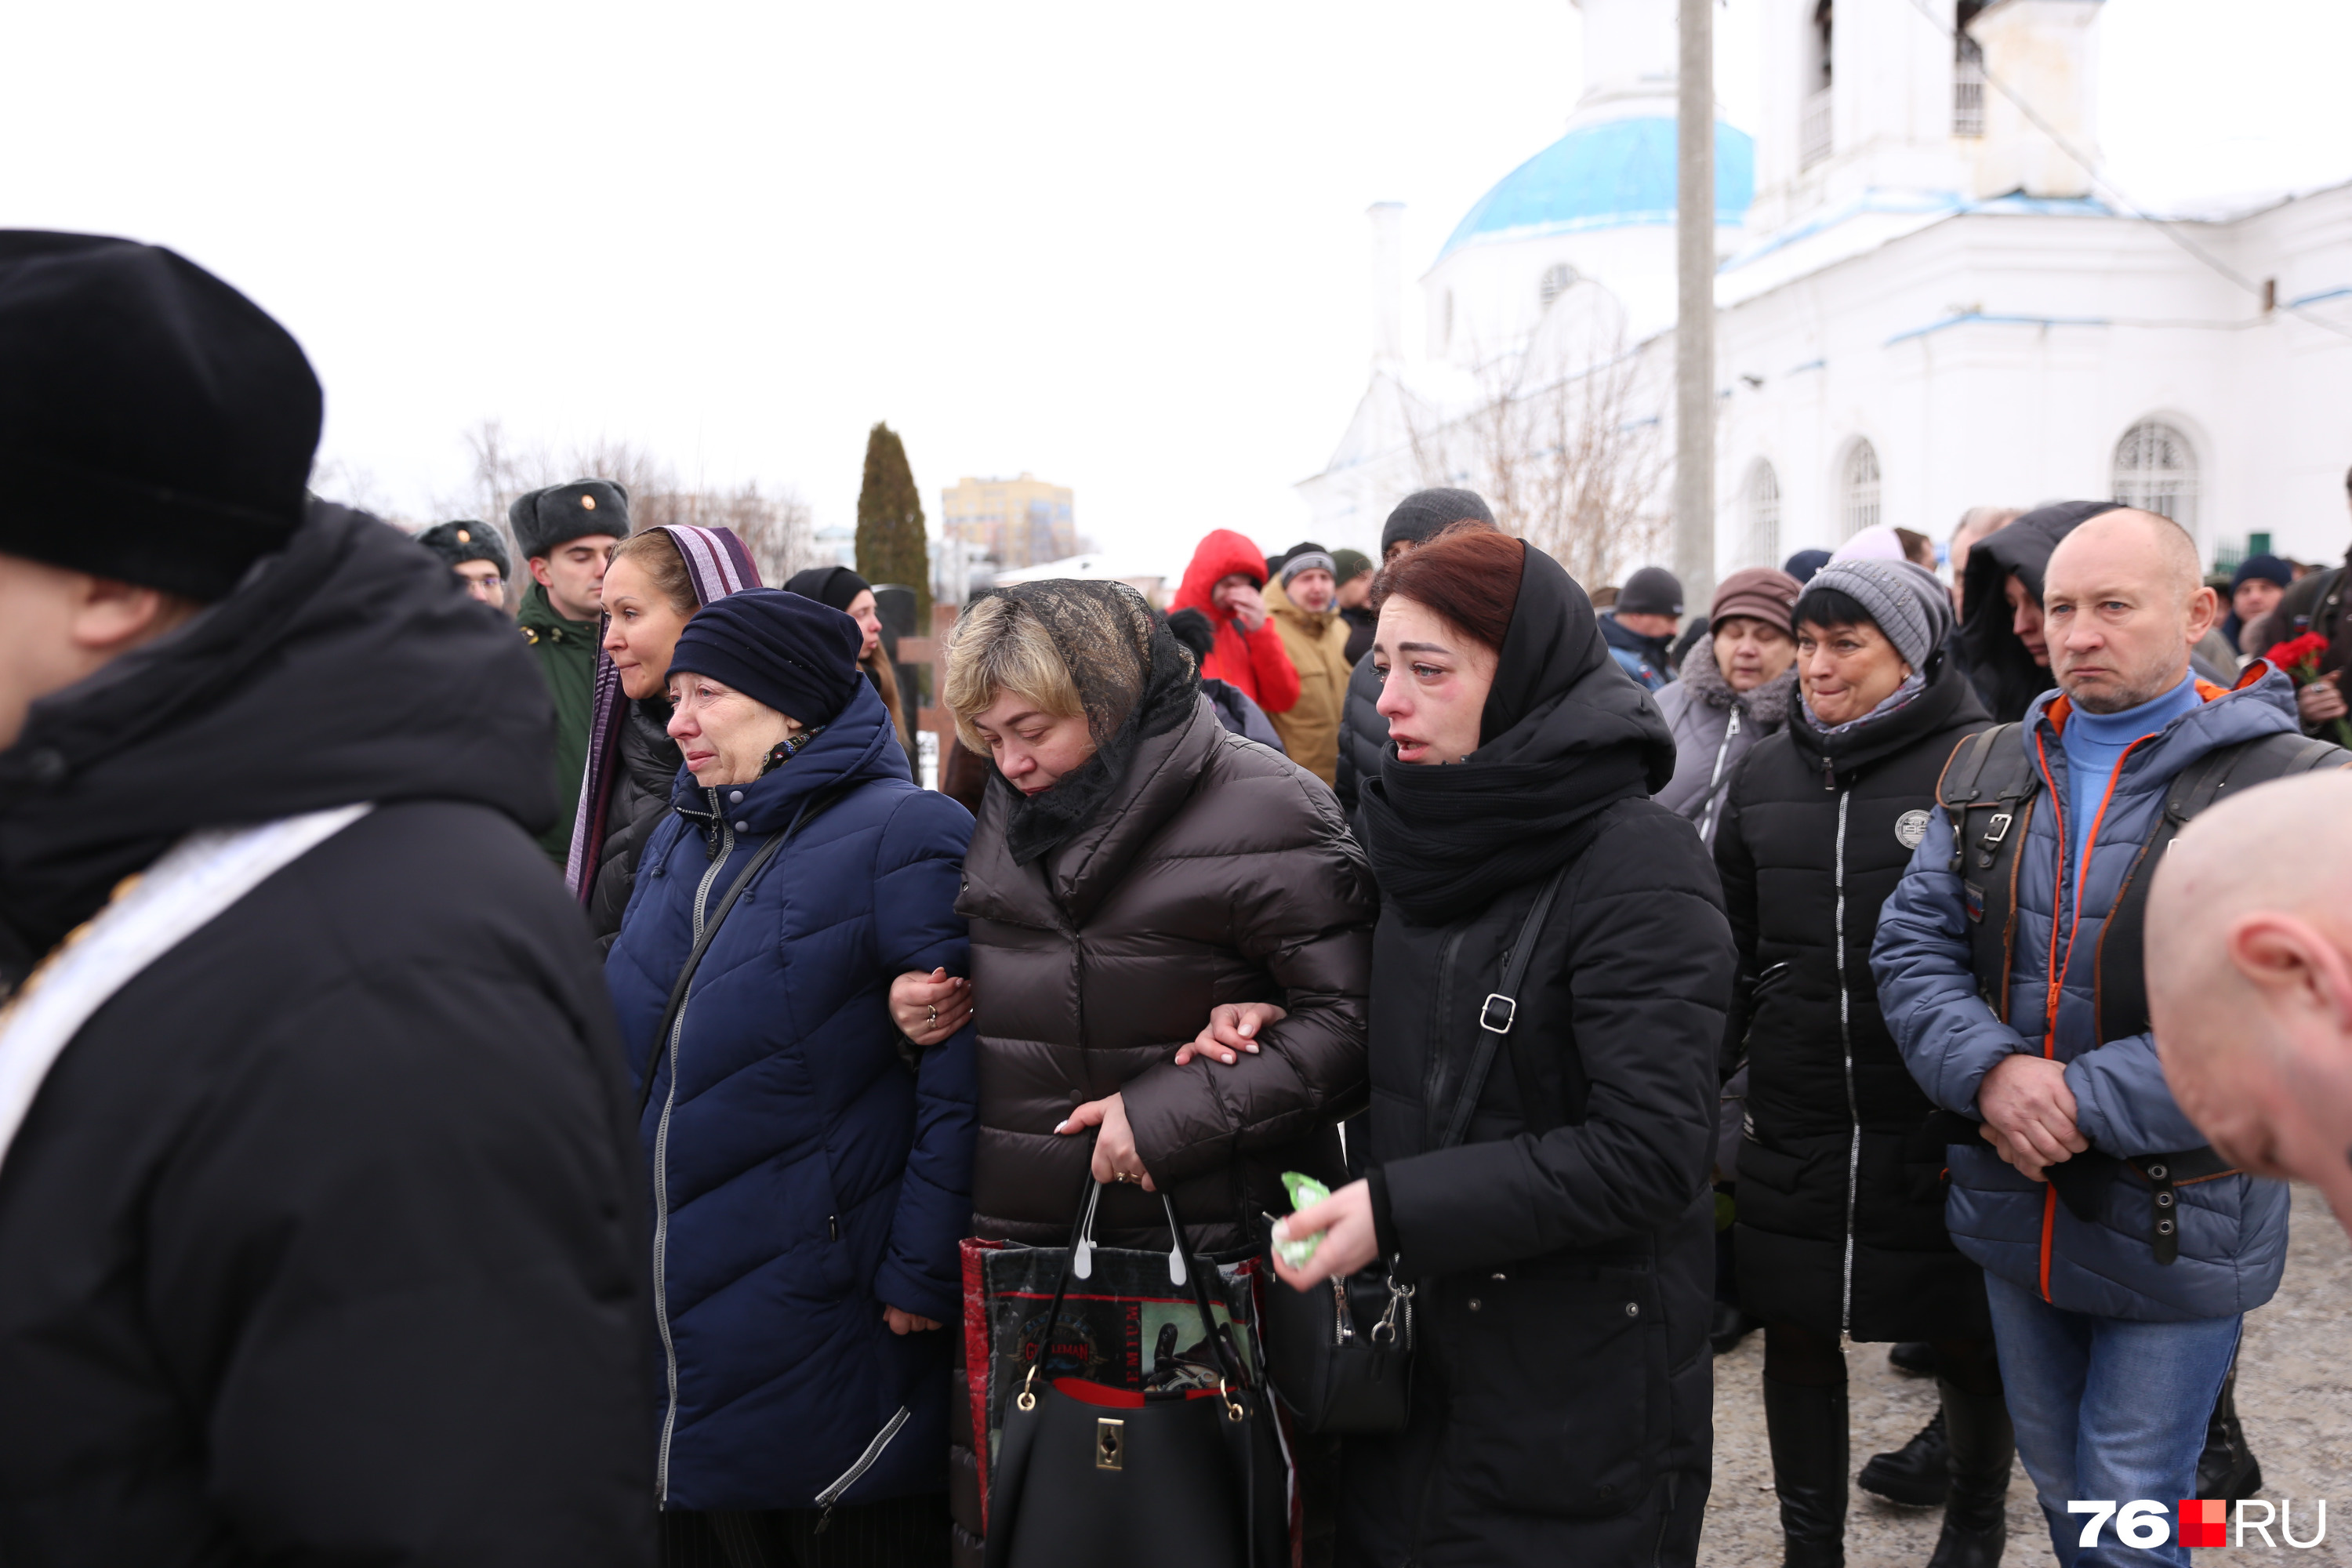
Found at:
(1565, 735)
(1134, 681)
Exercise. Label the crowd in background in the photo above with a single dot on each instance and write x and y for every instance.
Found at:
(1625, 981)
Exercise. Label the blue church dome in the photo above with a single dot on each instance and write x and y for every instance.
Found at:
(1617, 172)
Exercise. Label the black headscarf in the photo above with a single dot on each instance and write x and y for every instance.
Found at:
(833, 586)
(1134, 681)
(1564, 735)
(2006, 675)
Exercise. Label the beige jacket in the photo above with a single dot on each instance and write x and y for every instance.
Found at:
(1318, 646)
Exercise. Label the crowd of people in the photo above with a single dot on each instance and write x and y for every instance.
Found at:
(1874, 959)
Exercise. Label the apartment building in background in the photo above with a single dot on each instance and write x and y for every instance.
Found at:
(1019, 522)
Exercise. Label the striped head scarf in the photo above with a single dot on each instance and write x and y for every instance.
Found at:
(718, 564)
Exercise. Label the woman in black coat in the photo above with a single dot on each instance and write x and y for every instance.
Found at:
(1563, 1252)
(1840, 1223)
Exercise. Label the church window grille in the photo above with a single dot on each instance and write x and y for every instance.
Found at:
(1445, 333)
(1557, 279)
(1763, 515)
(2155, 470)
(1814, 136)
(1858, 489)
(1968, 74)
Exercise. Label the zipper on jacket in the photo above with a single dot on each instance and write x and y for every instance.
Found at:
(661, 1173)
(1715, 780)
(1845, 1048)
(865, 1461)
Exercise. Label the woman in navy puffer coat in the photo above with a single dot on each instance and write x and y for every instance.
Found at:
(810, 1185)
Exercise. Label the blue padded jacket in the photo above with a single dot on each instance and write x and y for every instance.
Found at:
(2232, 1228)
(804, 1176)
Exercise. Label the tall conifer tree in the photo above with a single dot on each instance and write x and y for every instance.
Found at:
(891, 547)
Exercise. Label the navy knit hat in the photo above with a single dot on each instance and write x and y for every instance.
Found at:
(1804, 564)
(1425, 514)
(1652, 591)
(2269, 568)
(792, 653)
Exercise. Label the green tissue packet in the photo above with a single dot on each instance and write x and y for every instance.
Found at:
(1304, 1193)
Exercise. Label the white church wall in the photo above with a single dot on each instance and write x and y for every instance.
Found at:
(2000, 359)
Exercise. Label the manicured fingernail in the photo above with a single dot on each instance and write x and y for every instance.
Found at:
(1229, 1059)
(1253, 1050)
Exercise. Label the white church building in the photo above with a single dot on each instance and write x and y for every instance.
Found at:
(1924, 304)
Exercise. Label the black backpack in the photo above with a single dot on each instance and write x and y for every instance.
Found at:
(1991, 790)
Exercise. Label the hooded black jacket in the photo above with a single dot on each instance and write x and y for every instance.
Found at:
(1363, 734)
(649, 762)
(2005, 674)
(1833, 1113)
(320, 1243)
(1564, 1251)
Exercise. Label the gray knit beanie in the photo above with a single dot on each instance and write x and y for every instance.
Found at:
(1904, 601)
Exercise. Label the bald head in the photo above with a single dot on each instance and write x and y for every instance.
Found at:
(2250, 978)
(2122, 604)
(2160, 546)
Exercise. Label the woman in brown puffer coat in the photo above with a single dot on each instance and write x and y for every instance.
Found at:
(1134, 869)
(1137, 872)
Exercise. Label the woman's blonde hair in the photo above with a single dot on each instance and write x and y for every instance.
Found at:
(657, 556)
(996, 647)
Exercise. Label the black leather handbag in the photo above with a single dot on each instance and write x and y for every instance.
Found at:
(1185, 1477)
(1340, 1355)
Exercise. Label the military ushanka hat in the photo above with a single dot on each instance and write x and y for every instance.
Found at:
(544, 519)
(466, 539)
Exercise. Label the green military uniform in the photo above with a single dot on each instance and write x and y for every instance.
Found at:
(567, 657)
(542, 521)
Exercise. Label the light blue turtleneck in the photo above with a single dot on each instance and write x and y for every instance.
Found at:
(2095, 743)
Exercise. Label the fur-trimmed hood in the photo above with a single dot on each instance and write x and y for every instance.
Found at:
(1766, 706)
(1698, 708)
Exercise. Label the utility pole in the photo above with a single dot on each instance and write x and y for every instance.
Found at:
(1694, 313)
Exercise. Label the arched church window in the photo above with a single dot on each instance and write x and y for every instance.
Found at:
(2155, 470)
(1557, 279)
(1763, 515)
(1858, 489)
(1445, 332)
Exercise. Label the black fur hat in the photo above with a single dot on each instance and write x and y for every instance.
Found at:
(466, 540)
(545, 519)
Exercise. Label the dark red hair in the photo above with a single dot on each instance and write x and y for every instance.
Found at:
(1468, 576)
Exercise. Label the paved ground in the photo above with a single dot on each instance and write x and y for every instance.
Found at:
(2295, 1392)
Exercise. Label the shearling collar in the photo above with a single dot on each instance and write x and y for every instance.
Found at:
(1766, 706)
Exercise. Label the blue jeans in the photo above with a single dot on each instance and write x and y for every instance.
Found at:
(2107, 1408)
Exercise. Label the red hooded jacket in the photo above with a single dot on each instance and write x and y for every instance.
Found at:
(1256, 661)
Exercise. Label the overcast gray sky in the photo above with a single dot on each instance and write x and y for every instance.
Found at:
(1121, 247)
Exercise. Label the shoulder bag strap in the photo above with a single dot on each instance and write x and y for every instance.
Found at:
(685, 980)
(1500, 1009)
(2120, 983)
